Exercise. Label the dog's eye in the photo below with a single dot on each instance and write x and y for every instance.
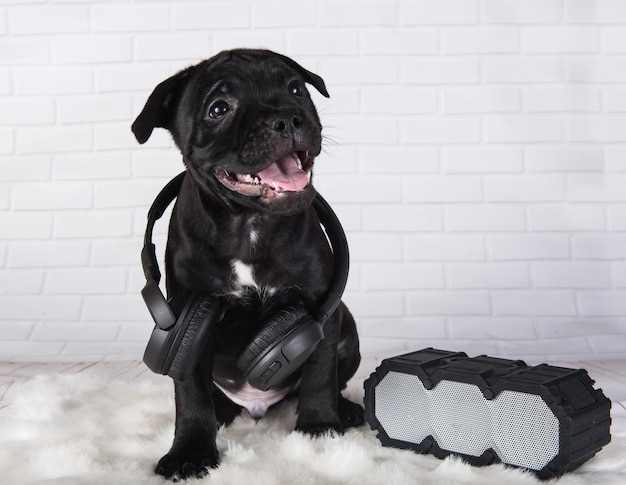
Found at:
(295, 88)
(218, 109)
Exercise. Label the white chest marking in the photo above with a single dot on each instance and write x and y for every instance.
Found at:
(243, 274)
(255, 401)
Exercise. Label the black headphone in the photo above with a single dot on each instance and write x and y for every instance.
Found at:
(185, 322)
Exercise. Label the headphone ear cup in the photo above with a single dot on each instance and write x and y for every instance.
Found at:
(274, 329)
(192, 330)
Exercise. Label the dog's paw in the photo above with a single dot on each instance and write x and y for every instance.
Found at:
(182, 465)
(320, 429)
(350, 413)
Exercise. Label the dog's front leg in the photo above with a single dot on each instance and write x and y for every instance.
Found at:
(194, 451)
(319, 389)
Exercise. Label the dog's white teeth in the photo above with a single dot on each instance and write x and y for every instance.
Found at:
(249, 179)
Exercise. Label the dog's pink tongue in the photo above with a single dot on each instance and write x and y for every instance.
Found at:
(285, 175)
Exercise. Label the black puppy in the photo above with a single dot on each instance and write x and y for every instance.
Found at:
(243, 229)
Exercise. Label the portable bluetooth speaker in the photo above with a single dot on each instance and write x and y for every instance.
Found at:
(487, 410)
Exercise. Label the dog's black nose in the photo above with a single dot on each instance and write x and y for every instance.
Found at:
(287, 124)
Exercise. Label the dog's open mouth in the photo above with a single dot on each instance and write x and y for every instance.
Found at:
(290, 173)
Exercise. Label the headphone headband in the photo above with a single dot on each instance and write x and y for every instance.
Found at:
(156, 302)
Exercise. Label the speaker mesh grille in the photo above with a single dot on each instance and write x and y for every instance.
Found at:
(519, 427)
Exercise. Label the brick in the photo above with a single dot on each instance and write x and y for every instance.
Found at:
(528, 247)
(122, 252)
(134, 332)
(522, 70)
(309, 42)
(560, 40)
(21, 282)
(481, 41)
(74, 331)
(597, 188)
(91, 166)
(23, 51)
(54, 139)
(30, 351)
(442, 189)
(85, 281)
(482, 159)
(492, 328)
(522, 11)
(58, 80)
(375, 247)
(599, 246)
(291, 13)
(569, 99)
(559, 328)
(437, 12)
(48, 19)
(25, 225)
(343, 100)
(445, 248)
(7, 140)
(84, 351)
(366, 130)
(155, 162)
(488, 275)
(92, 224)
(525, 188)
(132, 17)
(399, 41)
(440, 130)
(598, 130)
(211, 16)
(564, 159)
(114, 308)
(615, 159)
(124, 194)
(571, 274)
(376, 305)
(605, 344)
(15, 331)
(485, 218)
(26, 111)
(402, 218)
(619, 275)
(367, 190)
(51, 196)
(4, 197)
(542, 350)
(399, 159)
(356, 13)
(48, 254)
(595, 69)
(603, 304)
(131, 78)
(566, 218)
(552, 303)
(361, 71)
(613, 40)
(403, 276)
(405, 328)
(114, 136)
(42, 308)
(406, 100)
(91, 49)
(449, 303)
(595, 11)
(615, 100)
(439, 71)
(525, 129)
(155, 47)
(350, 216)
(617, 218)
(481, 100)
(5, 81)
(263, 39)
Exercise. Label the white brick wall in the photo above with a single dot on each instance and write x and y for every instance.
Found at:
(475, 151)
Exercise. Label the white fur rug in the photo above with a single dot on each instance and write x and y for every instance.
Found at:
(90, 429)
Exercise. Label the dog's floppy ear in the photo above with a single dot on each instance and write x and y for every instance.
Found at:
(160, 106)
(313, 79)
